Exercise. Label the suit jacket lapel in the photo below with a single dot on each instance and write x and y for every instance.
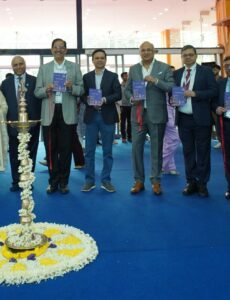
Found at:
(139, 71)
(197, 76)
(13, 88)
(50, 71)
(155, 70)
(103, 79)
(92, 80)
(222, 91)
(68, 70)
(181, 75)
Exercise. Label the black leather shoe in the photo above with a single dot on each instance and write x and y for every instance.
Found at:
(227, 195)
(191, 188)
(64, 189)
(15, 188)
(51, 189)
(203, 191)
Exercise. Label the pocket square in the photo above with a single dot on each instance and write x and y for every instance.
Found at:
(159, 73)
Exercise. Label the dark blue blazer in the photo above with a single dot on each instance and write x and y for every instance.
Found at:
(206, 89)
(111, 89)
(222, 87)
(33, 103)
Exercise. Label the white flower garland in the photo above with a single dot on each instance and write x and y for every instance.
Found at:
(70, 249)
(26, 194)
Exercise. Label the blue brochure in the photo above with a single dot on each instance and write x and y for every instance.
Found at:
(178, 98)
(227, 104)
(59, 80)
(139, 90)
(95, 96)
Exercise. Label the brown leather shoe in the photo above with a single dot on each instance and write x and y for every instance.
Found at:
(157, 189)
(137, 187)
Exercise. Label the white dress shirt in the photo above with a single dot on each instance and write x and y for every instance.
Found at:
(187, 108)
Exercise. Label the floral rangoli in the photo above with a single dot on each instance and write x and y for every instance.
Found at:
(67, 249)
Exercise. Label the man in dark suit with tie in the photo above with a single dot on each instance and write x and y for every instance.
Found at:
(100, 117)
(10, 91)
(223, 111)
(194, 120)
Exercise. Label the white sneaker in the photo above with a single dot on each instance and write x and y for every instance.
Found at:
(217, 146)
(106, 185)
(88, 186)
(171, 172)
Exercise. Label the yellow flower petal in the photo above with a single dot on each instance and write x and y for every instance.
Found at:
(3, 236)
(47, 261)
(18, 267)
(70, 252)
(3, 262)
(51, 231)
(71, 239)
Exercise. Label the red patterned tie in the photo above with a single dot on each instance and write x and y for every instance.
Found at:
(187, 80)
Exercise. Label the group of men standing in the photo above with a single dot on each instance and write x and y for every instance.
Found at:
(100, 90)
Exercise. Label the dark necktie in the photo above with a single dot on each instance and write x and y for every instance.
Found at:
(19, 87)
(187, 80)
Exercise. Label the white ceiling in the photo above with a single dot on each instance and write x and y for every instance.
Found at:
(38, 21)
(143, 15)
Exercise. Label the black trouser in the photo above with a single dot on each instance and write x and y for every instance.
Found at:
(77, 150)
(58, 144)
(125, 119)
(196, 141)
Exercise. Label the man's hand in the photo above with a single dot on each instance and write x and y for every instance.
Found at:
(49, 89)
(220, 110)
(189, 93)
(69, 84)
(134, 102)
(150, 78)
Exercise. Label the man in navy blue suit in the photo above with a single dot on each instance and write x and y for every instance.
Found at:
(100, 117)
(223, 111)
(194, 120)
(9, 89)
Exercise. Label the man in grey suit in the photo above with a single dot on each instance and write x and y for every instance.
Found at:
(59, 82)
(149, 114)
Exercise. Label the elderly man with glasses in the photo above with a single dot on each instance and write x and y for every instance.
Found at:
(59, 82)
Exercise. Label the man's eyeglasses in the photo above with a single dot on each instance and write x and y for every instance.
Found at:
(227, 66)
(59, 48)
(188, 55)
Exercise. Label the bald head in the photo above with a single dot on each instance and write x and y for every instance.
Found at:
(147, 52)
(147, 44)
(18, 65)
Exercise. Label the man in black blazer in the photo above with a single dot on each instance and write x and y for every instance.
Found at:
(100, 117)
(10, 91)
(223, 111)
(194, 120)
